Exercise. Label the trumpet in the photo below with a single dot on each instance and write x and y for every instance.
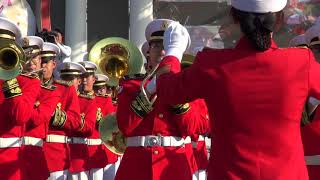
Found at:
(143, 84)
(11, 56)
(36, 71)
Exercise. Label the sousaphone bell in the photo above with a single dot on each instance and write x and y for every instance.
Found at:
(115, 57)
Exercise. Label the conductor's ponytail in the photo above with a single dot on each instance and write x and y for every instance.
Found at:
(257, 27)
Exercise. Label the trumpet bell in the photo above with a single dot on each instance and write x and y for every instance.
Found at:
(111, 136)
(11, 55)
(116, 57)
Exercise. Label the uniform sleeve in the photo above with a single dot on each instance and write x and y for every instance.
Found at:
(314, 75)
(127, 119)
(48, 101)
(19, 107)
(180, 87)
(72, 109)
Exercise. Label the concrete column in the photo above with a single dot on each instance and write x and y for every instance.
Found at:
(76, 28)
(141, 13)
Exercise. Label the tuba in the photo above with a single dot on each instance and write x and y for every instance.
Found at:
(111, 135)
(11, 56)
(115, 57)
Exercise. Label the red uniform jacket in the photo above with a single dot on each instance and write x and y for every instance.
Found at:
(100, 156)
(14, 113)
(151, 162)
(79, 154)
(256, 99)
(310, 136)
(34, 162)
(70, 104)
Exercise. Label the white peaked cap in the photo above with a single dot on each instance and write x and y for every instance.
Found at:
(156, 25)
(34, 41)
(71, 68)
(8, 25)
(259, 6)
(47, 46)
(89, 66)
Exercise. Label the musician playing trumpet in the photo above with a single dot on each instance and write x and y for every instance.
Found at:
(33, 157)
(18, 95)
(155, 133)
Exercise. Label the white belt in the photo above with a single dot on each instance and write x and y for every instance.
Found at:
(208, 142)
(32, 141)
(187, 140)
(201, 138)
(92, 142)
(10, 142)
(78, 140)
(312, 160)
(53, 138)
(155, 141)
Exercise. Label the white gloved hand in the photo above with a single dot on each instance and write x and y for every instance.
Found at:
(176, 40)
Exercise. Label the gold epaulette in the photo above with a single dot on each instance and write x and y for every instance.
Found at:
(50, 87)
(31, 75)
(63, 82)
(134, 76)
(87, 96)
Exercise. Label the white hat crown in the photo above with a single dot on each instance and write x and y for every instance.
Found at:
(6, 24)
(259, 6)
(156, 25)
(47, 46)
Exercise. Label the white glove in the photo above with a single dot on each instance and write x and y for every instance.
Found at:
(176, 40)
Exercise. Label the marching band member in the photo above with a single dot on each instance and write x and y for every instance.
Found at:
(255, 92)
(81, 141)
(66, 116)
(105, 107)
(155, 136)
(17, 98)
(32, 154)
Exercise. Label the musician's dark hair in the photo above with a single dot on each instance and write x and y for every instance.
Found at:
(257, 27)
(57, 30)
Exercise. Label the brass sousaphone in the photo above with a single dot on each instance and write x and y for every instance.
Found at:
(115, 57)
